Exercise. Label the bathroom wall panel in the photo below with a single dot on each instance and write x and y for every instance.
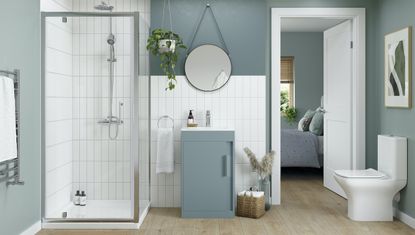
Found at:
(58, 85)
(239, 105)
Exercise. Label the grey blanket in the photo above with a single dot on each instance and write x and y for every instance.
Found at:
(299, 149)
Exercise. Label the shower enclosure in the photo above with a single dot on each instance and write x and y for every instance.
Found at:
(96, 137)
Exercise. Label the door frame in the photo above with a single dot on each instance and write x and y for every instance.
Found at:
(358, 17)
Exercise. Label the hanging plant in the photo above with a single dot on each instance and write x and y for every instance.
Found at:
(165, 45)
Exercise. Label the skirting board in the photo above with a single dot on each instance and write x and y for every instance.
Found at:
(36, 227)
(404, 218)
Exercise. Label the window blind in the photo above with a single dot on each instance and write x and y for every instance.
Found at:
(287, 69)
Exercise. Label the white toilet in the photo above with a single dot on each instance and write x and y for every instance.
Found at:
(370, 193)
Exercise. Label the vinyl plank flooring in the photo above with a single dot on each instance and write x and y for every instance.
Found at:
(306, 208)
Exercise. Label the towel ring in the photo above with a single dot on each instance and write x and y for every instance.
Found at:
(165, 117)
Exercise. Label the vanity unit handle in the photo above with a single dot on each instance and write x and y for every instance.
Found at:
(225, 165)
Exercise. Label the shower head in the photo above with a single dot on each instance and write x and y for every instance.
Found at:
(104, 7)
(111, 39)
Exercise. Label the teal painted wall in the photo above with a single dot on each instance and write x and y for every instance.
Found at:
(242, 23)
(307, 49)
(395, 15)
(20, 48)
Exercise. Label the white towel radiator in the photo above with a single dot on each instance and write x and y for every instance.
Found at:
(10, 169)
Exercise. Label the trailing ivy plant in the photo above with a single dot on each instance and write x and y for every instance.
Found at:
(169, 58)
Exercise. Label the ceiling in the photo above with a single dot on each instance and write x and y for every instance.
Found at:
(308, 24)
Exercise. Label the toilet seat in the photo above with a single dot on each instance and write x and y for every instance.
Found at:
(360, 174)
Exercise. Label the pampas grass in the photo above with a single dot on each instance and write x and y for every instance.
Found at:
(263, 167)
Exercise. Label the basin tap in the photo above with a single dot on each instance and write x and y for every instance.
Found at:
(207, 118)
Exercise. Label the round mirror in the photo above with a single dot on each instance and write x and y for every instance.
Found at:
(208, 67)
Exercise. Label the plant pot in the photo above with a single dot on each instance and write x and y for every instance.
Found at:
(167, 45)
(264, 185)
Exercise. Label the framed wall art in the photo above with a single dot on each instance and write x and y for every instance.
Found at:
(398, 68)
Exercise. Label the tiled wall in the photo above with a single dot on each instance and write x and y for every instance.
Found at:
(239, 105)
(58, 109)
(102, 166)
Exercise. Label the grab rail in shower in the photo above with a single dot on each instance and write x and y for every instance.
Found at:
(10, 169)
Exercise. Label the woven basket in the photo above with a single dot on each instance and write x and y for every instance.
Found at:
(249, 206)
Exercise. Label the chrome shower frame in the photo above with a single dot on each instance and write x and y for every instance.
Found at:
(134, 115)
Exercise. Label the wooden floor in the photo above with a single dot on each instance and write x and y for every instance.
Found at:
(306, 208)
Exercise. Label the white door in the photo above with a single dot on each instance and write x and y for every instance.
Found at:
(337, 102)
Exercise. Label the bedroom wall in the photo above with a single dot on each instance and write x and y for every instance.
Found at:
(395, 15)
(307, 49)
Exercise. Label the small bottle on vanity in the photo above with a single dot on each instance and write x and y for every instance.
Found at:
(76, 198)
(190, 119)
(82, 199)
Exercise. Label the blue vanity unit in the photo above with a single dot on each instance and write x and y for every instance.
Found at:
(208, 173)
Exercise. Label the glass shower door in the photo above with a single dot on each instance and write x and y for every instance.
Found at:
(95, 135)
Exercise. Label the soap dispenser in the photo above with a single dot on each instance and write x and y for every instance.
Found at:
(190, 119)
(82, 199)
(76, 198)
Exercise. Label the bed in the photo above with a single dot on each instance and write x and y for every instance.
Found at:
(301, 149)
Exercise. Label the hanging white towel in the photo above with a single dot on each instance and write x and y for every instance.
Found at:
(165, 153)
(251, 193)
(8, 145)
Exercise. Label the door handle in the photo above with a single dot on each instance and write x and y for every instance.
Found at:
(225, 165)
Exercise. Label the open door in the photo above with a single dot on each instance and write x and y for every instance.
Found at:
(337, 102)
